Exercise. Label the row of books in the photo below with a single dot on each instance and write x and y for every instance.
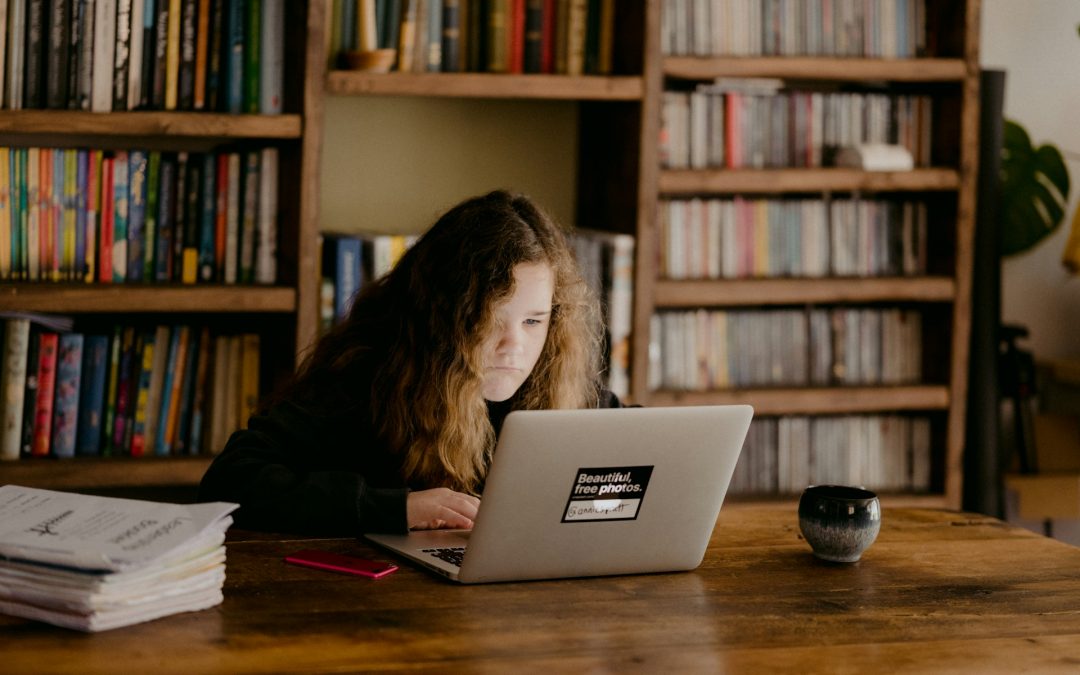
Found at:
(571, 37)
(783, 455)
(133, 391)
(348, 261)
(112, 55)
(743, 238)
(606, 261)
(861, 28)
(756, 124)
(704, 350)
(138, 216)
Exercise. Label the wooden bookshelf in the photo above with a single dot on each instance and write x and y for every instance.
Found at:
(949, 73)
(158, 124)
(485, 85)
(284, 314)
(669, 294)
(776, 181)
(86, 299)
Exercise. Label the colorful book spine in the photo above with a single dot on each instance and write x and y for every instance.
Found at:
(190, 227)
(13, 385)
(26, 438)
(72, 261)
(234, 57)
(207, 218)
(69, 359)
(93, 212)
(202, 45)
(232, 220)
(252, 51)
(32, 175)
(122, 409)
(170, 392)
(46, 390)
(150, 228)
(142, 394)
(249, 218)
(172, 54)
(112, 389)
(95, 372)
(6, 230)
(121, 167)
(186, 68)
(82, 210)
(105, 240)
(136, 230)
(166, 212)
(121, 55)
(187, 388)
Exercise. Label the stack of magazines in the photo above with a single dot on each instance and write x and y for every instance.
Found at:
(97, 563)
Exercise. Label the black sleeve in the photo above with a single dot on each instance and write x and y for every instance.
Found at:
(291, 471)
(610, 400)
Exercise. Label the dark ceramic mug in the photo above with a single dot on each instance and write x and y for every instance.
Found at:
(839, 522)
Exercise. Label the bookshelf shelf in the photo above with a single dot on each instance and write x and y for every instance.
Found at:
(131, 298)
(816, 401)
(817, 68)
(168, 124)
(775, 181)
(92, 472)
(669, 294)
(485, 85)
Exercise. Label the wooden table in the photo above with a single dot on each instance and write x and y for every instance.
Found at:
(938, 592)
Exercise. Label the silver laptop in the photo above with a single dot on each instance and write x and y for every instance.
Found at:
(575, 493)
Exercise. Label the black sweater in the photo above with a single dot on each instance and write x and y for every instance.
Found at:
(299, 468)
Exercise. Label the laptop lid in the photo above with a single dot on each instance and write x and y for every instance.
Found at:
(578, 493)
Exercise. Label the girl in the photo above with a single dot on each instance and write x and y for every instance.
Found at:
(391, 421)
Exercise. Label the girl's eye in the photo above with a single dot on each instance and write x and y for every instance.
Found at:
(533, 322)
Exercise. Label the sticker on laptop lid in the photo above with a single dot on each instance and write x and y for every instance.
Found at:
(607, 493)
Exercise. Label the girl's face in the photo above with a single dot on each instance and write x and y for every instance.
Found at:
(521, 328)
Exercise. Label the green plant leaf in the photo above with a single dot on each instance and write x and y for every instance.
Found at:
(1034, 190)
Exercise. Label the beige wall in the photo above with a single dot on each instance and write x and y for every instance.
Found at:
(393, 164)
(1037, 45)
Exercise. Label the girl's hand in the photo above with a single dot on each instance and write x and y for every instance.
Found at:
(440, 508)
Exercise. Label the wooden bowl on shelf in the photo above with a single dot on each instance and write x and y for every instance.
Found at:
(374, 61)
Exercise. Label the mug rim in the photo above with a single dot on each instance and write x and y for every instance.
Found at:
(841, 492)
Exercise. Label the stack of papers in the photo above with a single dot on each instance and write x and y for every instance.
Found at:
(96, 563)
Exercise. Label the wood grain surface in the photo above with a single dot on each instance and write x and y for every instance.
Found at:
(938, 592)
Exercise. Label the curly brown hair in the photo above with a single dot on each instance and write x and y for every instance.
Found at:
(425, 323)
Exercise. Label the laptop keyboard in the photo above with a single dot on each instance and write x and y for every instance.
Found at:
(452, 555)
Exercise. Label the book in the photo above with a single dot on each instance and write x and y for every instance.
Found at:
(105, 238)
(110, 562)
(121, 200)
(69, 358)
(30, 392)
(192, 220)
(196, 437)
(101, 93)
(186, 67)
(148, 65)
(35, 63)
(122, 404)
(142, 393)
(165, 220)
(160, 54)
(182, 429)
(451, 36)
(342, 264)
(15, 64)
(112, 388)
(202, 46)
(150, 222)
(252, 50)
(170, 390)
(136, 235)
(266, 233)
(13, 385)
(157, 380)
(58, 54)
(172, 53)
(208, 218)
(214, 56)
(232, 98)
(137, 31)
(249, 218)
(48, 341)
(121, 55)
(95, 369)
(231, 219)
(272, 57)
